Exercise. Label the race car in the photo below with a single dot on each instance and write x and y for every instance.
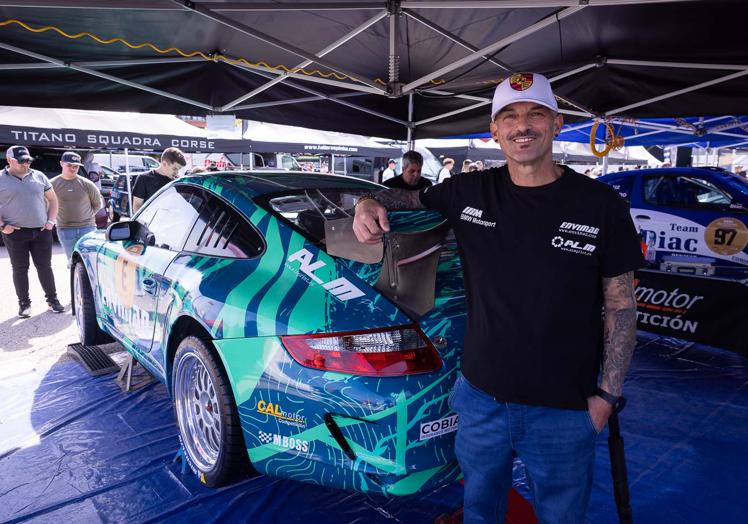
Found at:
(696, 216)
(278, 355)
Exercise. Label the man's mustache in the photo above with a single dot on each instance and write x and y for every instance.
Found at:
(523, 134)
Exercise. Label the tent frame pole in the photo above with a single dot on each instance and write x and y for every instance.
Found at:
(296, 101)
(332, 47)
(254, 33)
(105, 76)
(492, 48)
(679, 92)
(330, 98)
(411, 124)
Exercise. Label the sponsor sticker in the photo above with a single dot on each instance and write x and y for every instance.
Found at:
(439, 427)
(726, 236)
(284, 417)
(284, 441)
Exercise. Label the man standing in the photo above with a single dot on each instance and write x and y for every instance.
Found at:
(411, 176)
(543, 250)
(79, 200)
(446, 171)
(390, 171)
(148, 184)
(28, 209)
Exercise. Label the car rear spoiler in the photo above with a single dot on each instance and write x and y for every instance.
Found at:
(408, 276)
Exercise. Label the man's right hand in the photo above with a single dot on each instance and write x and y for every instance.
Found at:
(370, 221)
(9, 228)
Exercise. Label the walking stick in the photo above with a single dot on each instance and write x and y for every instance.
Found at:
(618, 467)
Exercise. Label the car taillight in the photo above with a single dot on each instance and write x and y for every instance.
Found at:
(377, 352)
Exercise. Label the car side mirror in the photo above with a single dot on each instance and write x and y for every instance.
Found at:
(119, 231)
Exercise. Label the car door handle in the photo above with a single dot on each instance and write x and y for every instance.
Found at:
(149, 286)
(642, 217)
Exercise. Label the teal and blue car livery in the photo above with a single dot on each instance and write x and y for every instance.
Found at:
(238, 261)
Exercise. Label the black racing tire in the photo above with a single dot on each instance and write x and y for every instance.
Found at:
(207, 416)
(85, 311)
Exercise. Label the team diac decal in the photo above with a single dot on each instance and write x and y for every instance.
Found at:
(435, 428)
(284, 441)
(284, 417)
(520, 81)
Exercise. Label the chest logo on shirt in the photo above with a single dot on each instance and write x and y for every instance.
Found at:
(475, 216)
(573, 246)
(578, 229)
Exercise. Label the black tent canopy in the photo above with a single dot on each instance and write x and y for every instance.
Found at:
(397, 69)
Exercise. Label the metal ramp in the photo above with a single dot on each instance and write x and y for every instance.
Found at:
(92, 359)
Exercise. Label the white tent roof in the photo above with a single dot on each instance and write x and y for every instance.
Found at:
(97, 121)
(266, 132)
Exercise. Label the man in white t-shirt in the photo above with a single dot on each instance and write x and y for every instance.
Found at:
(390, 171)
(446, 171)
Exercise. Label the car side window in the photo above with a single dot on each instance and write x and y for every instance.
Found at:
(170, 215)
(222, 231)
(624, 186)
(684, 192)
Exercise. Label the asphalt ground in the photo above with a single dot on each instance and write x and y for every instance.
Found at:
(42, 339)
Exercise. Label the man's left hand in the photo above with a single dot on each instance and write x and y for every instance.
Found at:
(600, 411)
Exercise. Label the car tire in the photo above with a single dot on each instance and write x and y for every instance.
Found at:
(85, 312)
(207, 416)
(113, 215)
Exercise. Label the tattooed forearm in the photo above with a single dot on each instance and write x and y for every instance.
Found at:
(619, 338)
(399, 199)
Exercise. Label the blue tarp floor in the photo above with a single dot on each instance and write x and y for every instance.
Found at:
(75, 448)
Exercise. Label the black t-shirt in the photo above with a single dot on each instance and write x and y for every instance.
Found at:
(148, 184)
(398, 182)
(534, 259)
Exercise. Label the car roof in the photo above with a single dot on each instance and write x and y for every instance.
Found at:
(666, 171)
(258, 183)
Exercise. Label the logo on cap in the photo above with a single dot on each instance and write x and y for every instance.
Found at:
(520, 81)
(71, 158)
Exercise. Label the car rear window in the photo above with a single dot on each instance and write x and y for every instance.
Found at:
(307, 210)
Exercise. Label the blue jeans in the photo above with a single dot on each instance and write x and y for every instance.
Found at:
(70, 235)
(557, 447)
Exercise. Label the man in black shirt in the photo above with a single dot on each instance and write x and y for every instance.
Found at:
(411, 177)
(148, 184)
(543, 250)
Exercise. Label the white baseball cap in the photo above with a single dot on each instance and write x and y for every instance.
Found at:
(523, 87)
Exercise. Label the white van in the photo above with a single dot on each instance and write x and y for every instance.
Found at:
(116, 161)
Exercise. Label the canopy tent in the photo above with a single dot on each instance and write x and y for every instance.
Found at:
(720, 131)
(267, 137)
(485, 149)
(397, 69)
(83, 129)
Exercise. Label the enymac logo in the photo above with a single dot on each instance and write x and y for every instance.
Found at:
(341, 288)
(579, 229)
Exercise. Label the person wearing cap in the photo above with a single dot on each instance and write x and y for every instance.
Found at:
(148, 184)
(79, 200)
(390, 171)
(410, 178)
(28, 209)
(446, 171)
(543, 250)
